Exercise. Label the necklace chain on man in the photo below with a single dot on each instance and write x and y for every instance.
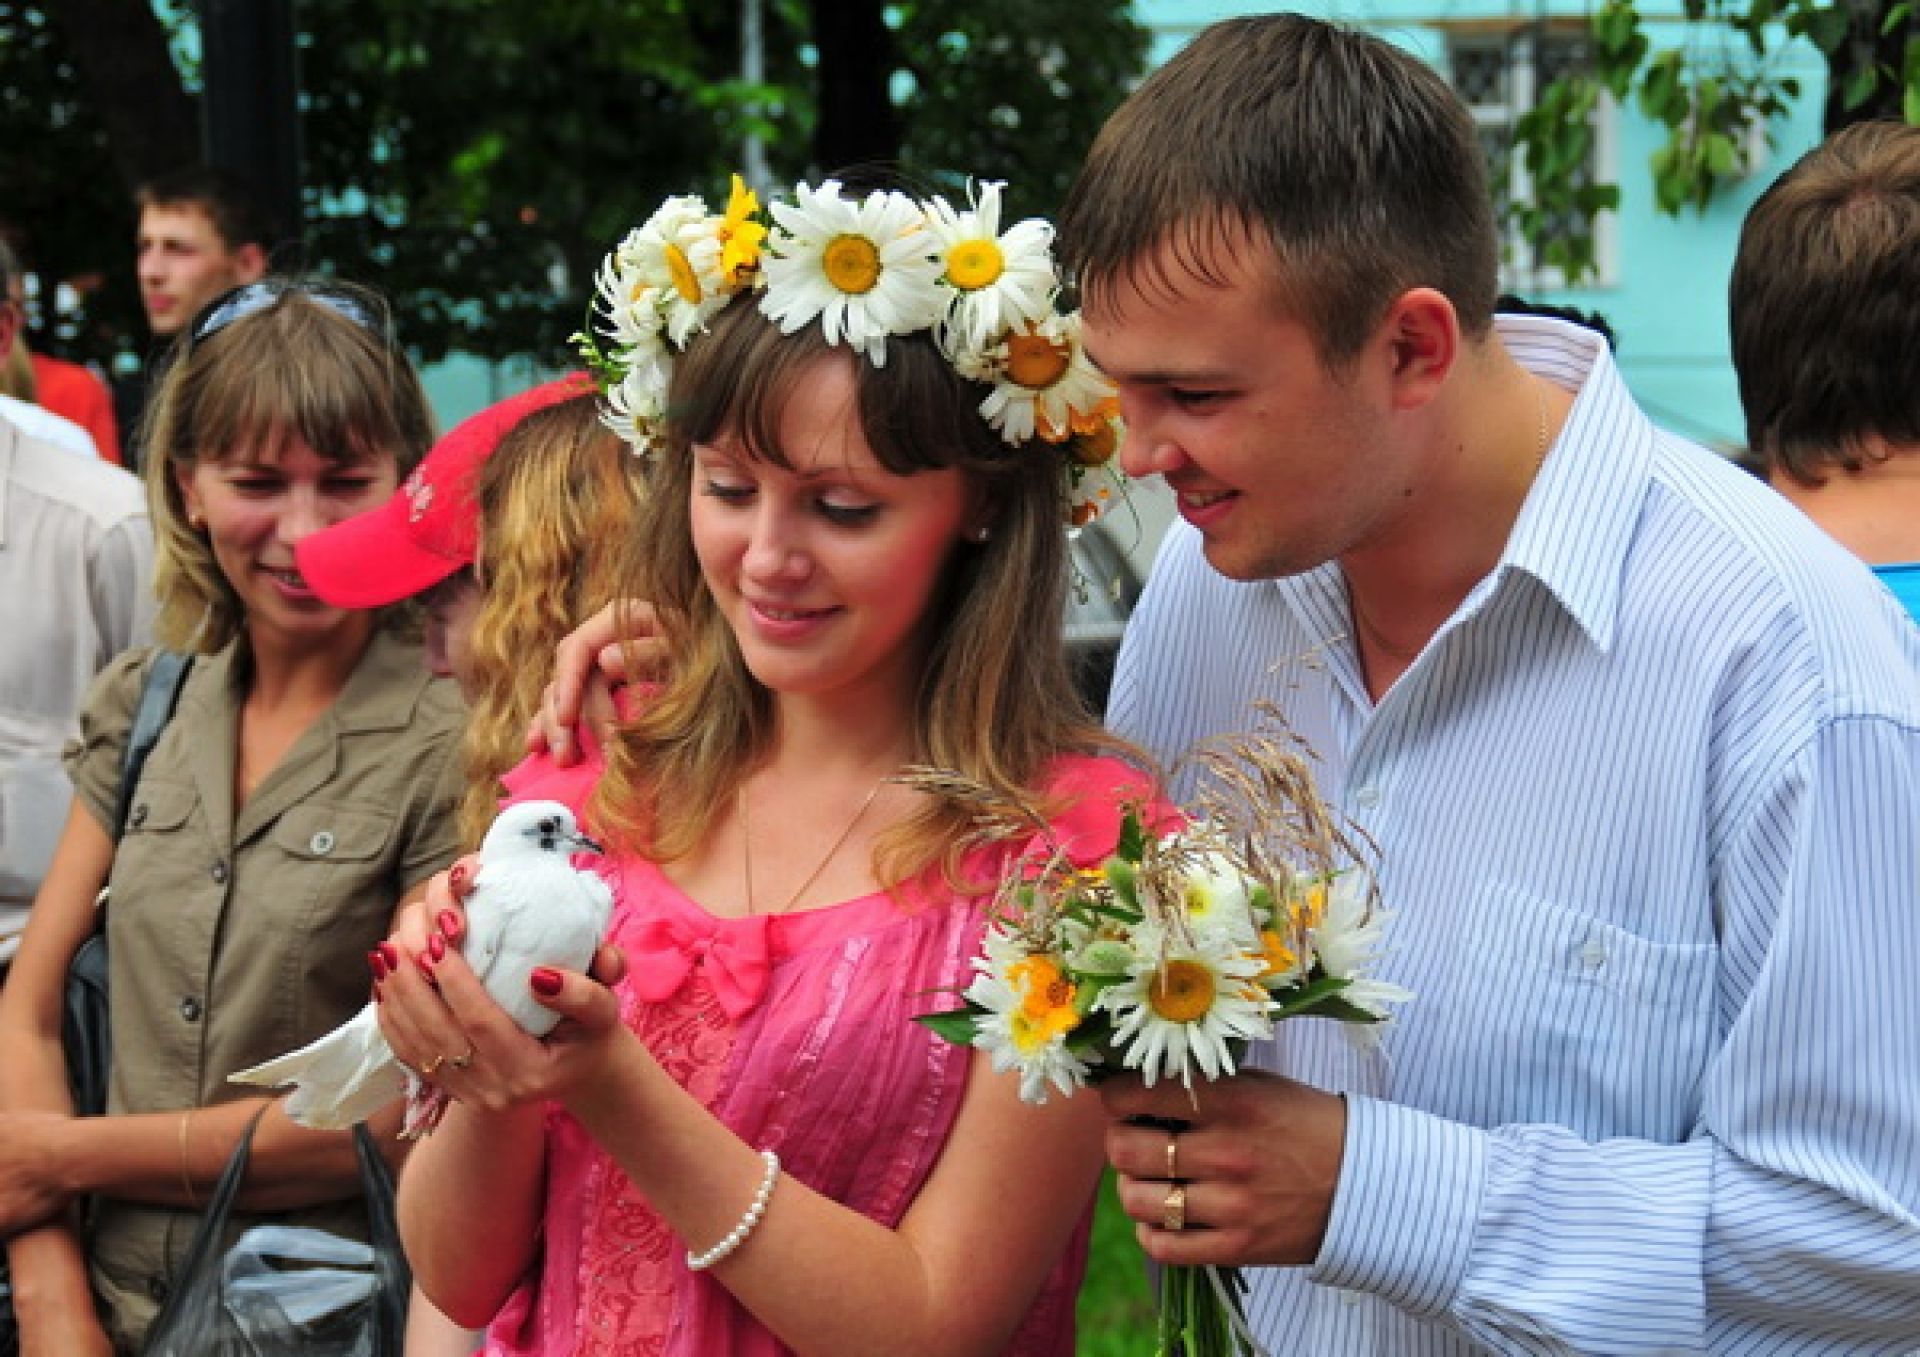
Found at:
(746, 846)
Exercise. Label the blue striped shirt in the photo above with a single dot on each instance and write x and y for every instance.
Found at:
(1648, 813)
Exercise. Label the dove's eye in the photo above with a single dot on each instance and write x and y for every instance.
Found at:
(549, 826)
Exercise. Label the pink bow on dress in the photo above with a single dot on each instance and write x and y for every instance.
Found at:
(662, 954)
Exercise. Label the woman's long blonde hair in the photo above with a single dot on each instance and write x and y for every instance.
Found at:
(295, 369)
(553, 499)
(996, 702)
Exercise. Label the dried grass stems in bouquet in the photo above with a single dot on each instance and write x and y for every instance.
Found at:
(1190, 939)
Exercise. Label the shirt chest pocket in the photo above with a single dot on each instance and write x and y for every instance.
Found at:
(161, 852)
(1574, 1020)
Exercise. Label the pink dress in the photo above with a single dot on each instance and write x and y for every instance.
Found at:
(796, 1031)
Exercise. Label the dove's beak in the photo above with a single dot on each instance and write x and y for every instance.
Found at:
(587, 845)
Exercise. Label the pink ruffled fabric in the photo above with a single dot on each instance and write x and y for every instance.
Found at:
(797, 1032)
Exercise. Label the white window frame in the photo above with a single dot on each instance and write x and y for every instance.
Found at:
(1518, 270)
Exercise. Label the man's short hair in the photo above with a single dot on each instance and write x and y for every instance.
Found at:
(1824, 304)
(1352, 157)
(225, 197)
(9, 270)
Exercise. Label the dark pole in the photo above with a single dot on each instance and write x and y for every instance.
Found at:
(252, 123)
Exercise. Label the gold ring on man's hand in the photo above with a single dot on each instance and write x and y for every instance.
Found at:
(465, 1059)
(1173, 1156)
(427, 1070)
(1173, 1211)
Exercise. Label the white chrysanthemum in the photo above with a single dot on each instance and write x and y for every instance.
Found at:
(628, 304)
(866, 270)
(999, 280)
(636, 406)
(1042, 381)
(1185, 1004)
(675, 256)
(1029, 1012)
(1347, 938)
(1214, 899)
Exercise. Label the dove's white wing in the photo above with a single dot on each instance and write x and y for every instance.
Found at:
(343, 1078)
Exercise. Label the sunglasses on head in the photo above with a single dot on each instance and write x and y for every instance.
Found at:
(252, 298)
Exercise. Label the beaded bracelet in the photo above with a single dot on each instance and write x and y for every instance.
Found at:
(700, 1262)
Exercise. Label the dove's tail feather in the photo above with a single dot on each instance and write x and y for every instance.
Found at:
(340, 1080)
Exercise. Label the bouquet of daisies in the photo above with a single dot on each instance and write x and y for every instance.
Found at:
(1194, 938)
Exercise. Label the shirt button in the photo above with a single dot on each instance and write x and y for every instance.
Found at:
(139, 816)
(1593, 954)
(157, 1289)
(219, 873)
(1367, 797)
(190, 1009)
(321, 844)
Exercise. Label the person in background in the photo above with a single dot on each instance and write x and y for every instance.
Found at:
(1637, 746)
(201, 233)
(504, 534)
(1826, 343)
(304, 789)
(76, 589)
(20, 396)
(67, 389)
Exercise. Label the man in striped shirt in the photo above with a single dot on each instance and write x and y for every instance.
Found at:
(1637, 744)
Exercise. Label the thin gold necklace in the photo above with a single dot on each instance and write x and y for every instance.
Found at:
(1366, 626)
(746, 846)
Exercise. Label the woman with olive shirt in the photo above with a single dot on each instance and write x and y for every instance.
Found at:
(304, 789)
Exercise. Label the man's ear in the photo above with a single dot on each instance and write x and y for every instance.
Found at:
(1421, 333)
(249, 264)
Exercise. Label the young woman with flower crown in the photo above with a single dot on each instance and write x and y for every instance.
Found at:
(863, 438)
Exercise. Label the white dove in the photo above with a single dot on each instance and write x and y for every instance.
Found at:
(529, 907)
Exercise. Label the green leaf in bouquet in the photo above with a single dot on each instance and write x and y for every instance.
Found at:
(1307, 998)
(1103, 957)
(1260, 902)
(1133, 838)
(1123, 878)
(1342, 1010)
(959, 1027)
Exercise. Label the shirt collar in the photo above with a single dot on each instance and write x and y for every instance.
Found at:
(1576, 526)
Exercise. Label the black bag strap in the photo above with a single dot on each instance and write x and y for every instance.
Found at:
(159, 694)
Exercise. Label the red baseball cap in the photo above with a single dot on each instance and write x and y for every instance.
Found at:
(431, 526)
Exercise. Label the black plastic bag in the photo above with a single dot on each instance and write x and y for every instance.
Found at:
(281, 1290)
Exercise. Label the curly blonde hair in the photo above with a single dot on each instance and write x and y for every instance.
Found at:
(554, 496)
(295, 369)
(997, 702)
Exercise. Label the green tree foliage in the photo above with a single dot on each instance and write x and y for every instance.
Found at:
(475, 158)
(1710, 90)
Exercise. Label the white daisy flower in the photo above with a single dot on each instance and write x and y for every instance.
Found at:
(866, 270)
(1043, 381)
(1185, 1004)
(1214, 899)
(675, 255)
(1000, 280)
(628, 304)
(1347, 938)
(1029, 1014)
(636, 407)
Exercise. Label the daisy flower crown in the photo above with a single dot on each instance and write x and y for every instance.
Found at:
(866, 269)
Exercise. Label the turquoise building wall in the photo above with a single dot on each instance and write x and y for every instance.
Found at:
(1665, 294)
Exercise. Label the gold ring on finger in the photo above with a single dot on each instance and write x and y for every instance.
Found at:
(1173, 1211)
(1173, 1156)
(465, 1059)
(427, 1070)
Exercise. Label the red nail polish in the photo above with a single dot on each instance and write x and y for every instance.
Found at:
(457, 878)
(426, 969)
(449, 923)
(378, 965)
(437, 947)
(546, 981)
(390, 954)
